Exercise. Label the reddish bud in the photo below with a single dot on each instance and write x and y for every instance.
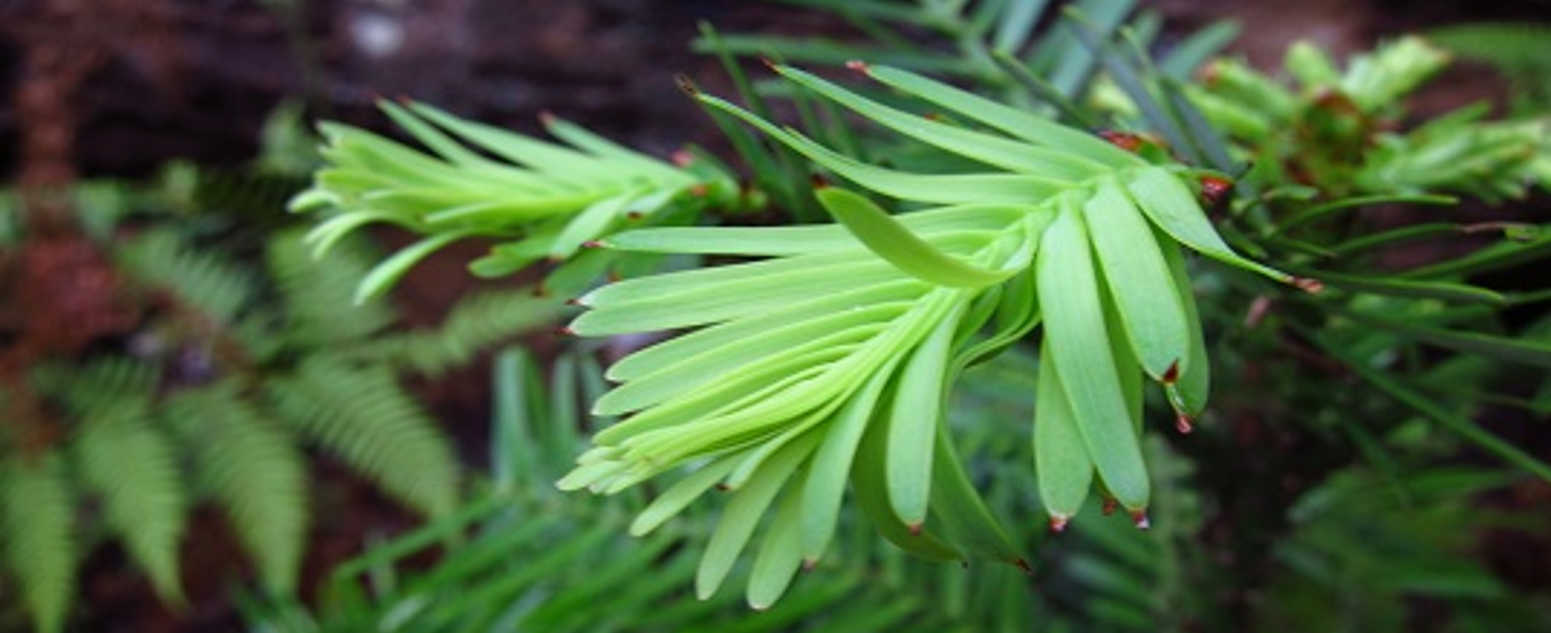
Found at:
(633, 215)
(1337, 102)
(1214, 189)
(1139, 517)
(722, 486)
(592, 244)
(565, 331)
(699, 191)
(1058, 523)
(1109, 506)
(1124, 140)
(1172, 373)
(1182, 423)
(540, 291)
(682, 158)
(769, 63)
(547, 118)
(858, 66)
(573, 301)
(915, 528)
(933, 116)
(1308, 284)
(1024, 565)
(613, 276)
(819, 181)
(1211, 73)
(809, 563)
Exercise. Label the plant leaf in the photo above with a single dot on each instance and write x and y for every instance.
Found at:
(1075, 332)
(1139, 282)
(893, 242)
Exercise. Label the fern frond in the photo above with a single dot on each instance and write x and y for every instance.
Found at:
(208, 282)
(125, 460)
(550, 198)
(318, 306)
(363, 415)
(473, 324)
(37, 514)
(100, 385)
(253, 470)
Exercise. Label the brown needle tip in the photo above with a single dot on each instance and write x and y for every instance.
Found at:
(1139, 517)
(686, 85)
(1308, 284)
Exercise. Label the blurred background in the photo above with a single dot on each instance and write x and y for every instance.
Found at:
(121, 116)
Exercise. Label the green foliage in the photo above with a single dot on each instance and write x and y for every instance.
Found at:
(1517, 50)
(1360, 542)
(37, 503)
(535, 559)
(235, 371)
(475, 323)
(254, 471)
(549, 200)
(124, 459)
(820, 358)
(1332, 132)
(823, 354)
(891, 335)
(532, 559)
(362, 414)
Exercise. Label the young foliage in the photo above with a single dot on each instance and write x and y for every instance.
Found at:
(821, 359)
(547, 201)
(532, 562)
(848, 369)
(1332, 130)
